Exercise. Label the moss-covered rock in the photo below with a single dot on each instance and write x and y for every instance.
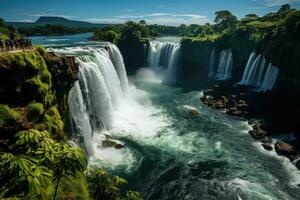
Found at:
(35, 111)
(54, 123)
(8, 116)
(64, 72)
(24, 77)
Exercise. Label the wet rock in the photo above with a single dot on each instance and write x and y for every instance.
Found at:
(112, 143)
(267, 146)
(108, 136)
(266, 140)
(191, 110)
(285, 149)
(119, 146)
(242, 104)
(225, 99)
(234, 111)
(208, 92)
(258, 133)
(219, 105)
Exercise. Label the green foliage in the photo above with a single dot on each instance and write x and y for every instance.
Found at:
(32, 71)
(41, 50)
(226, 20)
(74, 187)
(51, 30)
(106, 35)
(35, 111)
(7, 115)
(54, 123)
(8, 32)
(104, 186)
(132, 195)
(35, 164)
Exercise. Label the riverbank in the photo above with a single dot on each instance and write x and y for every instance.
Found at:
(257, 108)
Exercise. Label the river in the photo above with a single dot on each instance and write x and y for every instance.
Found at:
(170, 154)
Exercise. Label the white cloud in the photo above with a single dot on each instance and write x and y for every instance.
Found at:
(27, 20)
(156, 18)
(49, 14)
(272, 3)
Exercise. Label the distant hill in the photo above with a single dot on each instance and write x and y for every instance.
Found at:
(42, 21)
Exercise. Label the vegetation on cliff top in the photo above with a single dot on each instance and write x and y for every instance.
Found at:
(8, 32)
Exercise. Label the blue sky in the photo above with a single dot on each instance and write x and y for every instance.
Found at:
(169, 12)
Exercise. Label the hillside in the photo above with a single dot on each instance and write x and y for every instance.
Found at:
(42, 21)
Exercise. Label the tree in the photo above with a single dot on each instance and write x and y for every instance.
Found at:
(284, 8)
(106, 35)
(36, 163)
(104, 186)
(143, 22)
(226, 20)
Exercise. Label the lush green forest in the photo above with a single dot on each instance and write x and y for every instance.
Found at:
(283, 23)
(52, 30)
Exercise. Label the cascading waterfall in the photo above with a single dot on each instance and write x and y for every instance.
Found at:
(98, 92)
(259, 74)
(212, 65)
(225, 65)
(172, 72)
(163, 55)
(270, 78)
(117, 59)
(160, 53)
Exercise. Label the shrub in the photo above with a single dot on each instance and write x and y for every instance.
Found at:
(41, 50)
(54, 122)
(35, 111)
(7, 115)
(104, 186)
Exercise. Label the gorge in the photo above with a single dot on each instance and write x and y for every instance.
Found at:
(172, 112)
(149, 128)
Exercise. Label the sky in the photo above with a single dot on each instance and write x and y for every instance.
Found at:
(167, 12)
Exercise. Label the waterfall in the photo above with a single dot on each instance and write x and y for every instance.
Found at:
(247, 69)
(225, 65)
(270, 78)
(160, 53)
(259, 74)
(212, 65)
(101, 87)
(165, 54)
(117, 59)
(172, 72)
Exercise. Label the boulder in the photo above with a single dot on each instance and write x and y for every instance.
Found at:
(112, 143)
(119, 146)
(191, 110)
(267, 146)
(219, 105)
(266, 140)
(285, 149)
(258, 133)
(225, 99)
(208, 92)
(242, 104)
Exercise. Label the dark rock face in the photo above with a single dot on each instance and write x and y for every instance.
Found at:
(134, 52)
(284, 149)
(64, 72)
(267, 146)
